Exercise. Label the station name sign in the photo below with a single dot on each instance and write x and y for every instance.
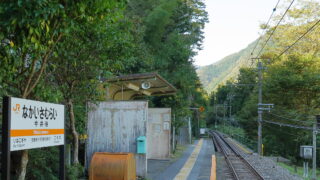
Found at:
(35, 124)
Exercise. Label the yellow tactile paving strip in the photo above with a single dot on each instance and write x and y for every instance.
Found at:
(187, 167)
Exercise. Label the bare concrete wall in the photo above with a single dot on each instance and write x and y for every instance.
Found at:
(158, 133)
(114, 126)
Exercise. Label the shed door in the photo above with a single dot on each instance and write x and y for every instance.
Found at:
(158, 133)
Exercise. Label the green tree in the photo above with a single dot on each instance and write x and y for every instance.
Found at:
(86, 56)
(29, 32)
(172, 32)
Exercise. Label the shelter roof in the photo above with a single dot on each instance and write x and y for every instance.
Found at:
(127, 87)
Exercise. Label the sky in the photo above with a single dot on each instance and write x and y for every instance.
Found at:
(233, 25)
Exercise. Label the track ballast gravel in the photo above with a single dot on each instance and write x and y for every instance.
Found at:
(267, 168)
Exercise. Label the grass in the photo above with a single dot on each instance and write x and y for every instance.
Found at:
(230, 130)
(299, 171)
(238, 134)
(179, 151)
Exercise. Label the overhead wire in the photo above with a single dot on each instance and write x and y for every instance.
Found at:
(309, 30)
(271, 34)
(288, 125)
(270, 126)
(306, 122)
(285, 111)
(273, 11)
(256, 45)
(284, 51)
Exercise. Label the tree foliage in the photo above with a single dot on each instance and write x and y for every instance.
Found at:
(60, 51)
(290, 82)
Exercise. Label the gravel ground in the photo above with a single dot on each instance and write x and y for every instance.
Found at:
(268, 169)
(222, 167)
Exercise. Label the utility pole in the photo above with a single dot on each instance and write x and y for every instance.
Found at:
(230, 111)
(198, 117)
(261, 107)
(197, 109)
(230, 96)
(216, 107)
(224, 115)
(215, 122)
(230, 119)
(189, 128)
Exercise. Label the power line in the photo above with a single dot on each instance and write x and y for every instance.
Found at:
(273, 11)
(289, 125)
(306, 122)
(241, 84)
(275, 28)
(310, 29)
(283, 111)
(281, 131)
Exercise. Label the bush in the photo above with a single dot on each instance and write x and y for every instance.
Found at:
(74, 172)
(43, 164)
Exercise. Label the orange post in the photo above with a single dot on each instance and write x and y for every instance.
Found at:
(213, 175)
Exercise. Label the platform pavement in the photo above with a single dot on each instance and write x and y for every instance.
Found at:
(201, 167)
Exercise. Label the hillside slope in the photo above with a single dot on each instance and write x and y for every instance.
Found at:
(227, 68)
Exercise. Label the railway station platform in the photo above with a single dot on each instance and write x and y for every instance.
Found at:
(195, 164)
(232, 161)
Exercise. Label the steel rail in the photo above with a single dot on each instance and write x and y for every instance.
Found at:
(234, 172)
(219, 139)
(236, 151)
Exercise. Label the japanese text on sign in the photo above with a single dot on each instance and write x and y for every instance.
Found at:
(35, 124)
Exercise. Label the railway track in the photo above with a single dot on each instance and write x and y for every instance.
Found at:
(239, 168)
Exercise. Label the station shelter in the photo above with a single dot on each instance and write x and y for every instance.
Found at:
(121, 123)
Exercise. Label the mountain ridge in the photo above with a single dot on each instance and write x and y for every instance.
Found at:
(211, 76)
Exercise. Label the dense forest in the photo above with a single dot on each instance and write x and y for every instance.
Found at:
(59, 51)
(211, 76)
(291, 81)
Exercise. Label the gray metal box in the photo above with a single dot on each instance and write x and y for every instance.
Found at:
(306, 152)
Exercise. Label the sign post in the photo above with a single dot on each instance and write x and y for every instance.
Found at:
(306, 153)
(6, 139)
(31, 124)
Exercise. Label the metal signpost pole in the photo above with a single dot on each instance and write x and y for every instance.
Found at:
(173, 133)
(305, 174)
(62, 154)
(260, 111)
(5, 156)
(173, 138)
(314, 149)
(62, 163)
(307, 169)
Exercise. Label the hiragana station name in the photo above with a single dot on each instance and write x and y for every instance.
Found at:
(39, 114)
